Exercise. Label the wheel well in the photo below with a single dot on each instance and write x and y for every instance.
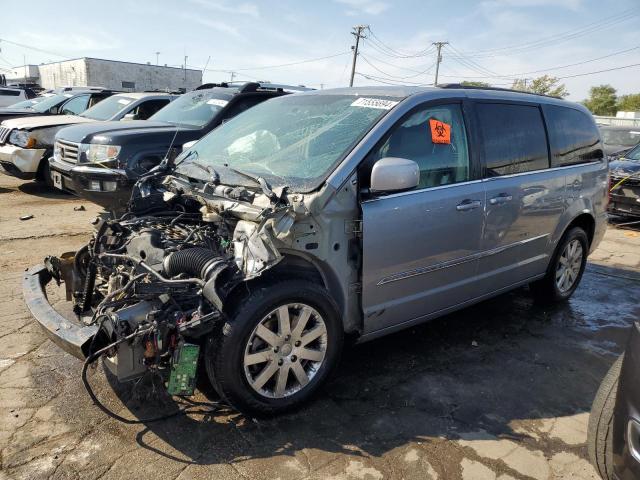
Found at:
(289, 267)
(586, 222)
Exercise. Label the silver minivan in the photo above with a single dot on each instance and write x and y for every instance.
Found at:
(311, 216)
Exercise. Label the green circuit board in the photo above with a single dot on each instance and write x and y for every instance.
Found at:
(182, 380)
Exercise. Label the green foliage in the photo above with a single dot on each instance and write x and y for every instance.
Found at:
(602, 100)
(467, 83)
(629, 103)
(545, 85)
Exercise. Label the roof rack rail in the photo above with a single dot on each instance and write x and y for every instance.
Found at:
(206, 86)
(499, 89)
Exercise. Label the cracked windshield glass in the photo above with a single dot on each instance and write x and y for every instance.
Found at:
(291, 141)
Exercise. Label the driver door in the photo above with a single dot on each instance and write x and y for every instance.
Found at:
(420, 247)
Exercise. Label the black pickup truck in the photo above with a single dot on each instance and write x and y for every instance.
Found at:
(101, 162)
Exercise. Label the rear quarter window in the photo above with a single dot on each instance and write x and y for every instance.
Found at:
(573, 136)
(513, 138)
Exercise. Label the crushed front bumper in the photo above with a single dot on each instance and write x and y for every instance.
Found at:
(72, 336)
(21, 162)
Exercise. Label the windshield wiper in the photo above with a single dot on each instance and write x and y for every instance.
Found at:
(261, 182)
(215, 178)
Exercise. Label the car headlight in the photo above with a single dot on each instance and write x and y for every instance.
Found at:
(98, 153)
(22, 139)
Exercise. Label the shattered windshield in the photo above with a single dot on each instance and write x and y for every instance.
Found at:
(294, 140)
(194, 109)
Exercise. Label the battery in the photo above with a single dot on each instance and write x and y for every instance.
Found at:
(182, 380)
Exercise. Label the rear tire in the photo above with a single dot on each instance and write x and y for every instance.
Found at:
(565, 269)
(599, 432)
(260, 362)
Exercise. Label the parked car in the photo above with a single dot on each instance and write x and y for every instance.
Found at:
(613, 435)
(625, 184)
(357, 211)
(11, 95)
(27, 143)
(27, 103)
(131, 150)
(618, 140)
(76, 102)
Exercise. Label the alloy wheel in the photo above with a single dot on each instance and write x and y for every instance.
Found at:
(569, 265)
(285, 350)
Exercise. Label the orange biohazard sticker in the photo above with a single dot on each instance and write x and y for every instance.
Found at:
(440, 131)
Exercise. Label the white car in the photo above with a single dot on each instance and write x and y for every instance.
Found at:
(11, 95)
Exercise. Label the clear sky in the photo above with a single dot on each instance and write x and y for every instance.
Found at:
(507, 38)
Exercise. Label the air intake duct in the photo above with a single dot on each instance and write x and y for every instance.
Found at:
(202, 263)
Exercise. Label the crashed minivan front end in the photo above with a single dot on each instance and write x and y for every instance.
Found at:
(161, 280)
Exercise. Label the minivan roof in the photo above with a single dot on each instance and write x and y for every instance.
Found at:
(402, 91)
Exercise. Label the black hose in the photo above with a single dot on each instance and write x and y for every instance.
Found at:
(94, 356)
(192, 261)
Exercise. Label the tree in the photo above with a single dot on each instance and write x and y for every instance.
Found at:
(545, 85)
(629, 103)
(467, 83)
(602, 100)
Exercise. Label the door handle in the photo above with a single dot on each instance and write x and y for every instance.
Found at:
(500, 199)
(468, 205)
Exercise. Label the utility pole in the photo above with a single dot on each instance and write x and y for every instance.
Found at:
(233, 74)
(357, 32)
(157, 58)
(439, 46)
(185, 70)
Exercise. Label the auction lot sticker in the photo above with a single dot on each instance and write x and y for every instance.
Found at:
(374, 103)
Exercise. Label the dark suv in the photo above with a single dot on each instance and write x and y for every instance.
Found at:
(101, 162)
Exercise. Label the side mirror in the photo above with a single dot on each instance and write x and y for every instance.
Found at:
(54, 110)
(129, 116)
(392, 174)
(188, 145)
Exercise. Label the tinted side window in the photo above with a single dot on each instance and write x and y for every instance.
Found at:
(241, 105)
(76, 105)
(435, 138)
(573, 136)
(10, 93)
(148, 108)
(513, 137)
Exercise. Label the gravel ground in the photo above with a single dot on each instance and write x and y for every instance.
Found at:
(501, 390)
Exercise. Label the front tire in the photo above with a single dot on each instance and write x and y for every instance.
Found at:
(44, 172)
(599, 432)
(277, 348)
(565, 269)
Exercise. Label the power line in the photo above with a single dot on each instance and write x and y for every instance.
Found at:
(396, 77)
(556, 38)
(559, 67)
(381, 46)
(600, 71)
(387, 81)
(470, 63)
(414, 69)
(36, 49)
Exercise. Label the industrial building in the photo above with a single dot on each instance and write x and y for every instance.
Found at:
(111, 74)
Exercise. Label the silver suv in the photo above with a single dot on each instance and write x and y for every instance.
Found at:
(351, 211)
